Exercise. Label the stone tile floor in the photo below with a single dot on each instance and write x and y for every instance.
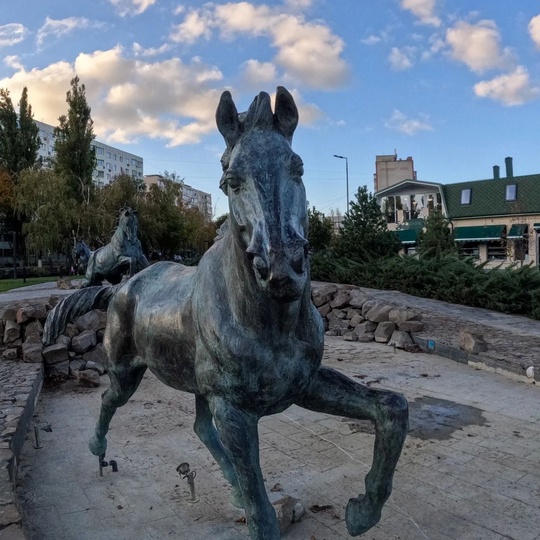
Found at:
(469, 469)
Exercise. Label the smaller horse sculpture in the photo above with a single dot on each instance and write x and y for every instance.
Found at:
(123, 254)
(81, 254)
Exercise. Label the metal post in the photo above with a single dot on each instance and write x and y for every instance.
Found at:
(346, 176)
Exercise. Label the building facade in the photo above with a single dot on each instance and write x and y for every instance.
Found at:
(389, 170)
(110, 161)
(496, 220)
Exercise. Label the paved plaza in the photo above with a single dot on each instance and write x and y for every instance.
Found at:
(469, 469)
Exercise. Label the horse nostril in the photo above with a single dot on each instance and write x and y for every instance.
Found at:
(261, 267)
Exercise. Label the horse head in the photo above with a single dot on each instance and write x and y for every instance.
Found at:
(128, 223)
(262, 178)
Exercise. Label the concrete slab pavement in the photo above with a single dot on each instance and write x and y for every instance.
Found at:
(469, 469)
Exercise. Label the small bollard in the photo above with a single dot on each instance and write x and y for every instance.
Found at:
(37, 442)
(184, 472)
(103, 464)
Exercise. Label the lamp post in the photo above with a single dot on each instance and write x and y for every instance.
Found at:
(346, 176)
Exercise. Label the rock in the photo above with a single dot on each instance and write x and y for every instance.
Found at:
(2, 325)
(351, 312)
(64, 340)
(64, 284)
(12, 331)
(350, 336)
(96, 366)
(324, 310)
(88, 378)
(399, 315)
(410, 326)
(71, 330)
(33, 311)
(61, 368)
(288, 510)
(400, 339)
(368, 304)
(31, 350)
(356, 320)
(366, 326)
(323, 294)
(472, 341)
(33, 329)
(54, 300)
(339, 313)
(358, 298)
(378, 313)
(11, 354)
(384, 331)
(97, 354)
(93, 320)
(99, 334)
(341, 300)
(77, 364)
(364, 331)
(8, 313)
(84, 341)
(56, 353)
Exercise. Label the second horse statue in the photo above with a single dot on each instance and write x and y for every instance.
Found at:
(240, 331)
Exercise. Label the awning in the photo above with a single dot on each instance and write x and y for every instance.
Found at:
(517, 231)
(536, 226)
(478, 233)
(407, 236)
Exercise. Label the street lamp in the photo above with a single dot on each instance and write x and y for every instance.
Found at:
(346, 176)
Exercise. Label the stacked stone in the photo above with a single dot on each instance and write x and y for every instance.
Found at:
(349, 312)
(77, 353)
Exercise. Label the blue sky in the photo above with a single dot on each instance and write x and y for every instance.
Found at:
(455, 85)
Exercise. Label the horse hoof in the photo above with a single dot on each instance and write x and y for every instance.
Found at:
(236, 498)
(97, 446)
(361, 515)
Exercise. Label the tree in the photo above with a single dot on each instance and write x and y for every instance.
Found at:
(321, 230)
(437, 239)
(75, 156)
(364, 233)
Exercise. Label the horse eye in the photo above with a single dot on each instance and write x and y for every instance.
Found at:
(234, 182)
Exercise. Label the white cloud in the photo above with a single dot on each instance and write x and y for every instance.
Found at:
(139, 50)
(371, 40)
(423, 9)
(130, 98)
(534, 30)
(13, 61)
(256, 73)
(510, 89)
(409, 126)
(58, 28)
(308, 52)
(478, 46)
(401, 59)
(11, 34)
(131, 7)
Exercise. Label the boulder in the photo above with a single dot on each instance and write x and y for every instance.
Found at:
(93, 320)
(384, 331)
(61, 368)
(71, 330)
(350, 336)
(322, 294)
(378, 313)
(341, 300)
(400, 339)
(368, 304)
(356, 320)
(12, 331)
(64, 340)
(410, 326)
(472, 342)
(84, 341)
(56, 353)
(364, 331)
(339, 313)
(288, 510)
(33, 311)
(351, 312)
(96, 366)
(324, 310)
(97, 354)
(88, 378)
(54, 300)
(33, 329)
(31, 350)
(8, 313)
(398, 315)
(358, 298)
(76, 364)
(11, 354)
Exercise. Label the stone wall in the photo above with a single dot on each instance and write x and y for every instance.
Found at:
(77, 353)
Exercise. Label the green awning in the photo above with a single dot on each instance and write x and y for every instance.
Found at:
(536, 226)
(478, 233)
(517, 231)
(407, 236)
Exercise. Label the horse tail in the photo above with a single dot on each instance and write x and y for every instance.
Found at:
(72, 307)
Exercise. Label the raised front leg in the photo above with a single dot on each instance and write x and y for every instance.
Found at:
(238, 433)
(334, 393)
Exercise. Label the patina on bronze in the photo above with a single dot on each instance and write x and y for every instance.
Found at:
(122, 255)
(240, 331)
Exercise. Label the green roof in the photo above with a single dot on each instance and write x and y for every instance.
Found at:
(407, 236)
(478, 233)
(518, 230)
(488, 197)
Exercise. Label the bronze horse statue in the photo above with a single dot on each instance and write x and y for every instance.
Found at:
(240, 331)
(122, 255)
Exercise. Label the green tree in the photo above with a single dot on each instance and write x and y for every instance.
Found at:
(437, 239)
(365, 233)
(321, 230)
(75, 155)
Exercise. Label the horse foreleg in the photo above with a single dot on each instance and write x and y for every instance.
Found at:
(238, 433)
(334, 393)
(124, 381)
(205, 430)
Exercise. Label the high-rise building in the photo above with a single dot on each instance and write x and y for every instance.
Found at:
(389, 170)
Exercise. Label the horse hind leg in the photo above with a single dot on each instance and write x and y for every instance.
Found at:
(207, 433)
(125, 379)
(334, 393)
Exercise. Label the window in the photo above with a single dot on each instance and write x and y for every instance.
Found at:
(109, 155)
(496, 250)
(99, 150)
(100, 174)
(511, 192)
(100, 163)
(469, 249)
(114, 157)
(121, 159)
(466, 196)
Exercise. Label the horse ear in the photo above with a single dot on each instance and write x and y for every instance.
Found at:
(227, 119)
(259, 113)
(286, 115)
